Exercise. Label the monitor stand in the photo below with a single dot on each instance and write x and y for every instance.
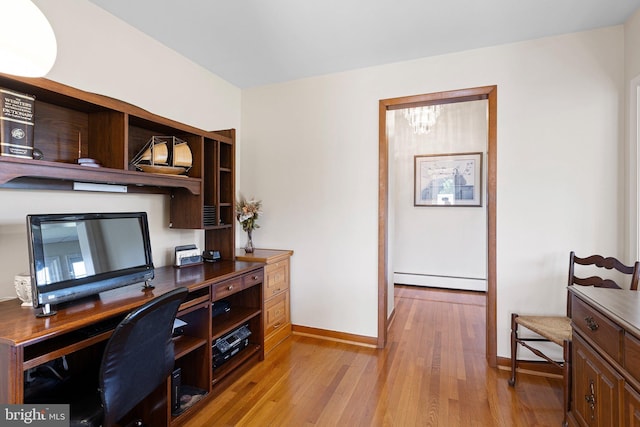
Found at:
(147, 285)
(46, 311)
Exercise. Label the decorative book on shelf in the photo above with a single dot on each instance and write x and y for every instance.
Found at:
(16, 124)
(164, 154)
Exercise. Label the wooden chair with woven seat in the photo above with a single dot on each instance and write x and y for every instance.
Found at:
(557, 329)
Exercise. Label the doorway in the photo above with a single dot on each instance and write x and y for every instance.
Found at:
(385, 275)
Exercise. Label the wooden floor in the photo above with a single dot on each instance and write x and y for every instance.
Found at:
(433, 372)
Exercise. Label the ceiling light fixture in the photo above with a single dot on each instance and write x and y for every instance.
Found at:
(422, 119)
(27, 41)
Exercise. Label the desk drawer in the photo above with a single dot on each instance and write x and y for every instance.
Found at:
(253, 278)
(276, 313)
(592, 324)
(236, 284)
(277, 278)
(226, 288)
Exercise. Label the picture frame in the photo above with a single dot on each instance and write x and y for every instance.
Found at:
(448, 179)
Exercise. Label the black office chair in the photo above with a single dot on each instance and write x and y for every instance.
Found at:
(137, 359)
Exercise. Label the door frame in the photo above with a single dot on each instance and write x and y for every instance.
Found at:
(489, 93)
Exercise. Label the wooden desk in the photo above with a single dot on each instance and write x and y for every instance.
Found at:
(27, 341)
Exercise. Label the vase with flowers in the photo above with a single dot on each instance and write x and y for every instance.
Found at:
(247, 212)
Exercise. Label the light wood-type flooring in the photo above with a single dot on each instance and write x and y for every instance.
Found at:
(433, 372)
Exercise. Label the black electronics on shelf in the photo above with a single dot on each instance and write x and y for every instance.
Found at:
(230, 344)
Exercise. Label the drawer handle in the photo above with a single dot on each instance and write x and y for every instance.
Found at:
(277, 325)
(230, 287)
(591, 324)
(591, 400)
(254, 277)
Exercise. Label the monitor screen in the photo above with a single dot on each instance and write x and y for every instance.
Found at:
(77, 255)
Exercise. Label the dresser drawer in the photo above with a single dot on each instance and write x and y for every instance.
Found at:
(276, 313)
(632, 355)
(603, 332)
(277, 278)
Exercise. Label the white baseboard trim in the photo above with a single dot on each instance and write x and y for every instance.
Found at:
(448, 282)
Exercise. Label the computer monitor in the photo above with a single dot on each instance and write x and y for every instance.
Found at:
(73, 256)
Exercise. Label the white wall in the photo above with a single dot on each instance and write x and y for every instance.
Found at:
(632, 46)
(439, 246)
(99, 53)
(629, 160)
(310, 152)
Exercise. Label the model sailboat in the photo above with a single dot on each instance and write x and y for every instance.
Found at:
(164, 154)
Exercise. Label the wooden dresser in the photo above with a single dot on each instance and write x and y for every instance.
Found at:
(276, 307)
(605, 358)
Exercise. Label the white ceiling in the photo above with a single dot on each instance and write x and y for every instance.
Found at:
(257, 42)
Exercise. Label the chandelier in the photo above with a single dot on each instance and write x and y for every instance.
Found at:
(422, 119)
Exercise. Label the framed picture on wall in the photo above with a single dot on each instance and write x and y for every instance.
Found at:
(448, 179)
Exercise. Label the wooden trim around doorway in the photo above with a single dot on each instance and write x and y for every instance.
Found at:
(462, 95)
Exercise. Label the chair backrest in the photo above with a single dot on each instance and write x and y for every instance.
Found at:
(601, 262)
(139, 356)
